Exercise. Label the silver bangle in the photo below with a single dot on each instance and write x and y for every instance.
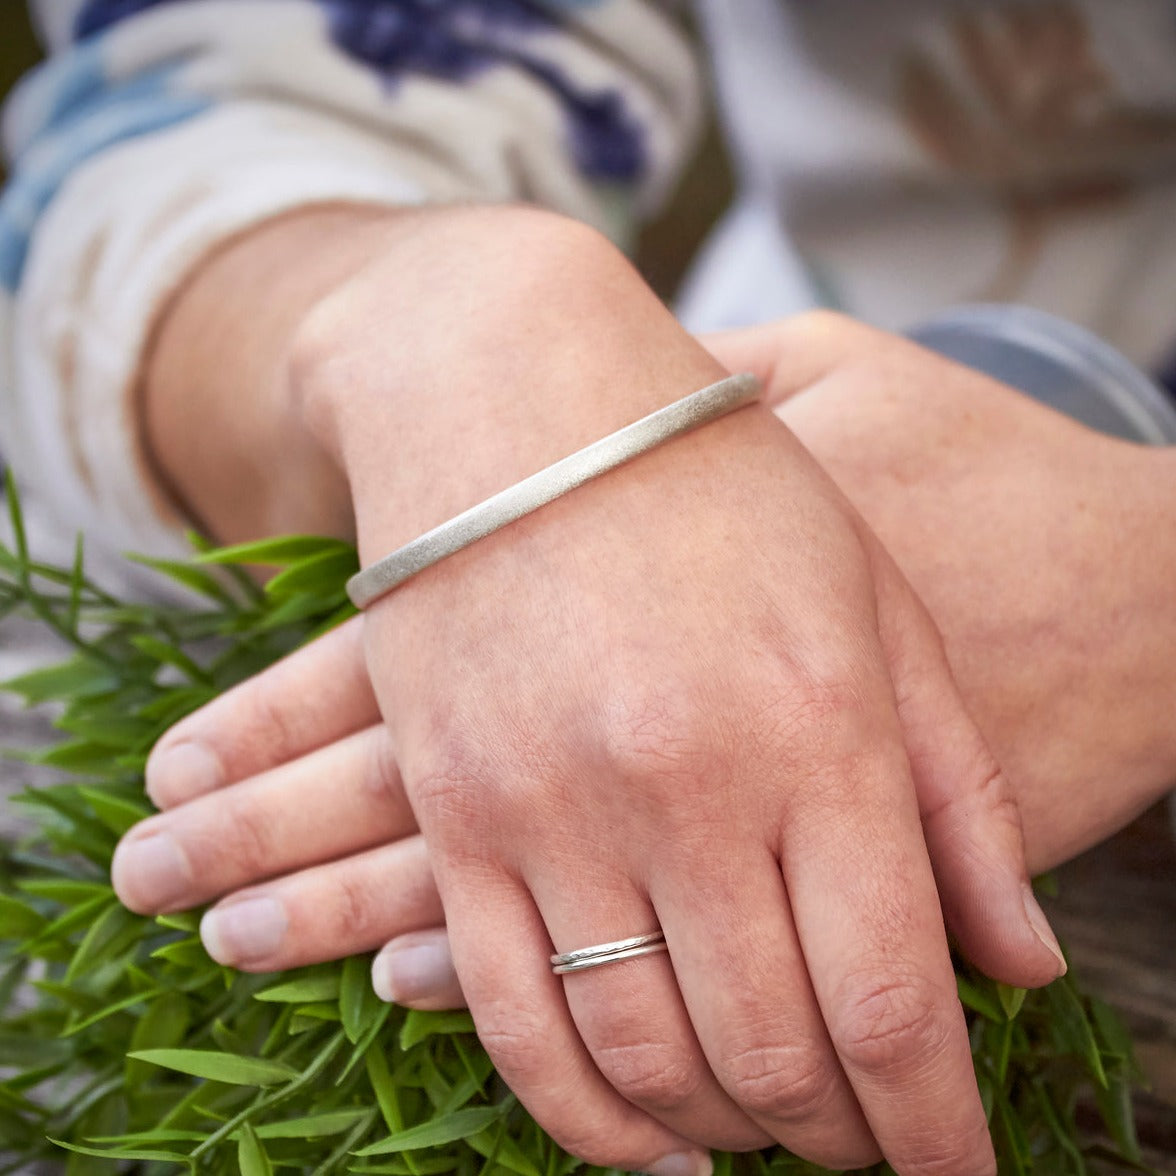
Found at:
(708, 404)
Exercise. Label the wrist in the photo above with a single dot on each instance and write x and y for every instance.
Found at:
(218, 426)
(480, 345)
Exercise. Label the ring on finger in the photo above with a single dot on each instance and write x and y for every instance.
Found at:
(584, 958)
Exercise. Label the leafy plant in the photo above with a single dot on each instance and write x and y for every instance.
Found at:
(123, 1046)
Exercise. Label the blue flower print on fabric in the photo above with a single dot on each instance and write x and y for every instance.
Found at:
(457, 39)
(99, 14)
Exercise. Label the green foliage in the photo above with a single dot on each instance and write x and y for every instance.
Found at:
(124, 1047)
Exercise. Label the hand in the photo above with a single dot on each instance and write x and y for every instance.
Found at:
(1044, 551)
(767, 726)
(1077, 706)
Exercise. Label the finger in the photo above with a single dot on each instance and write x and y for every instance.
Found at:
(867, 914)
(971, 820)
(631, 1016)
(327, 912)
(501, 948)
(417, 970)
(312, 697)
(336, 801)
(793, 354)
(746, 986)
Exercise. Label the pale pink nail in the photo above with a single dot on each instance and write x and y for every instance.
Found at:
(181, 772)
(245, 932)
(413, 972)
(152, 872)
(1041, 928)
(690, 1163)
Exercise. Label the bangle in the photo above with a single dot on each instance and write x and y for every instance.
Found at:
(699, 408)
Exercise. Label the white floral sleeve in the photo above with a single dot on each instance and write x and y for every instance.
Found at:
(158, 127)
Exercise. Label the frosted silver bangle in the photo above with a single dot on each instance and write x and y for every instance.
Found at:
(708, 404)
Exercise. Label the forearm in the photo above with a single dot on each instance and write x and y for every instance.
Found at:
(414, 362)
(218, 420)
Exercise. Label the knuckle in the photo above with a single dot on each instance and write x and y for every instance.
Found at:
(598, 1148)
(658, 741)
(451, 789)
(517, 1044)
(820, 321)
(891, 1024)
(932, 1153)
(357, 911)
(382, 770)
(245, 837)
(779, 1081)
(651, 1074)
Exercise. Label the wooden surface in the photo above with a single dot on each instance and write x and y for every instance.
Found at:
(1116, 912)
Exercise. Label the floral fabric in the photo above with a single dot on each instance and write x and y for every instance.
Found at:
(158, 127)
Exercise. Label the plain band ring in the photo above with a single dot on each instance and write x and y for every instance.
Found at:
(699, 408)
(584, 958)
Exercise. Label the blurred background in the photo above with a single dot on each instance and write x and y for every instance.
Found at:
(18, 48)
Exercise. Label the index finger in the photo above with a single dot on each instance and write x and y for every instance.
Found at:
(312, 697)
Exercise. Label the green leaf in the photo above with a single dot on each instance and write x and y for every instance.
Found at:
(321, 574)
(77, 582)
(1011, 999)
(168, 655)
(188, 575)
(973, 997)
(185, 953)
(1114, 1104)
(187, 921)
(104, 939)
(420, 1025)
(76, 755)
(18, 920)
(274, 552)
(125, 1154)
(218, 1067)
(1072, 1030)
(312, 1126)
(65, 891)
(164, 1025)
(118, 814)
(85, 912)
(384, 1087)
(251, 1157)
(445, 1129)
(305, 990)
(358, 1004)
(81, 677)
(16, 517)
(506, 1152)
(127, 1002)
(1110, 1029)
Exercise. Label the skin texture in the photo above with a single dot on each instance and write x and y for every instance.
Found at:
(697, 692)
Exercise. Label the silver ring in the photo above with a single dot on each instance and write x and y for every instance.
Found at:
(584, 958)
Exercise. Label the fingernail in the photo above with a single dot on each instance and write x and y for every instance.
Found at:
(1041, 927)
(180, 773)
(402, 975)
(690, 1163)
(245, 932)
(152, 872)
